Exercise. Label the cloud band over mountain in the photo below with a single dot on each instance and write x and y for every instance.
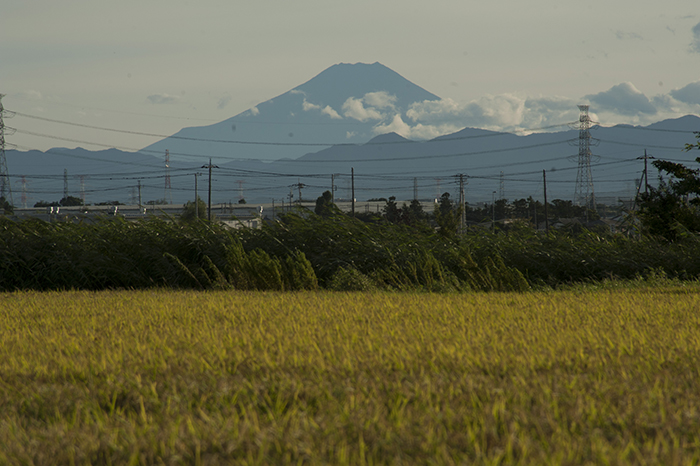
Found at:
(352, 103)
(427, 119)
(622, 103)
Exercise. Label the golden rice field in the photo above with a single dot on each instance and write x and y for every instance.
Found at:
(161, 377)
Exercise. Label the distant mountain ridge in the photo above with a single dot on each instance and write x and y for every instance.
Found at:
(342, 104)
(384, 166)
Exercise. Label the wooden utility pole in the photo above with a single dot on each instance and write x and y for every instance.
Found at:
(210, 166)
(209, 200)
(352, 176)
(546, 212)
(462, 213)
(196, 198)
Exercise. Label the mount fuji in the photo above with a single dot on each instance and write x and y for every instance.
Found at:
(346, 103)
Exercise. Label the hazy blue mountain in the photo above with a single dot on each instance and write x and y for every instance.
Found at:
(313, 113)
(329, 108)
(104, 175)
(387, 165)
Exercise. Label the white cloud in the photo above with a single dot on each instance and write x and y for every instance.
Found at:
(500, 110)
(624, 99)
(350, 134)
(307, 106)
(695, 44)
(434, 109)
(328, 110)
(159, 99)
(297, 91)
(354, 108)
(370, 106)
(254, 111)
(418, 131)
(688, 94)
(381, 99)
(506, 112)
(397, 126)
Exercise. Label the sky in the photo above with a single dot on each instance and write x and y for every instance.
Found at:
(156, 66)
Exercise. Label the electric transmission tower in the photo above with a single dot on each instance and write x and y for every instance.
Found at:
(5, 187)
(168, 194)
(584, 194)
(23, 197)
(82, 188)
(240, 189)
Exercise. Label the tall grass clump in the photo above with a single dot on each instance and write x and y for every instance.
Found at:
(115, 253)
(561, 258)
(342, 249)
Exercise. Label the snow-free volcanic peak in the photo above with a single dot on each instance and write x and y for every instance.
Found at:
(346, 103)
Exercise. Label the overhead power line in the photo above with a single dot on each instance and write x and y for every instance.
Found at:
(386, 159)
(272, 143)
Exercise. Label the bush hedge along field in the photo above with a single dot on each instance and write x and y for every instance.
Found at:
(305, 252)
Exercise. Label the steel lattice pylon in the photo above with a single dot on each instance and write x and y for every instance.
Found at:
(584, 194)
(5, 187)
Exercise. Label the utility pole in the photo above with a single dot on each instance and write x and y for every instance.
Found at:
(415, 188)
(209, 199)
(196, 198)
(139, 195)
(300, 185)
(645, 177)
(332, 188)
(502, 188)
(493, 211)
(65, 183)
(546, 213)
(352, 176)
(209, 166)
(168, 196)
(462, 214)
(240, 190)
(5, 187)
